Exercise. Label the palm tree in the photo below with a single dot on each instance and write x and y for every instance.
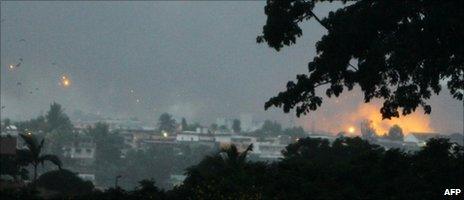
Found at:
(233, 158)
(32, 154)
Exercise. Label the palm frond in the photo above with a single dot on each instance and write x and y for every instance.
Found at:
(244, 154)
(31, 142)
(52, 158)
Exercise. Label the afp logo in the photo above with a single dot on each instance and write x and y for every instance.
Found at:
(450, 192)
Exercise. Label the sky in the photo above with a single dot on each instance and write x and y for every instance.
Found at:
(197, 60)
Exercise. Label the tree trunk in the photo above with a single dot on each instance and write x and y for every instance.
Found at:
(35, 173)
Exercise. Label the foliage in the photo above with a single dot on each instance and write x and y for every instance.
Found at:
(236, 126)
(184, 124)
(107, 154)
(226, 175)
(213, 127)
(134, 167)
(395, 133)
(57, 120)
(33, 154)
(65, 182)
(147, 190)
(295, 132)
(166, 123)
(10, 165)
(402, 49)
(312, 168)
(270, 128)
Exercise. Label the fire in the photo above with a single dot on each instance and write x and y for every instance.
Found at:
(347, 118)
(415, 122)
(351, 129)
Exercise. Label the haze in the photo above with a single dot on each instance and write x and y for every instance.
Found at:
(195, 60)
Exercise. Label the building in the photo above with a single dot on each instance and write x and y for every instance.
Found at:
(82, 151)
(8, 145)
(268, 150)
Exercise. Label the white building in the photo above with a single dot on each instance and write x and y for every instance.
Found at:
(83, 150)
(188, 136)
(268, 150)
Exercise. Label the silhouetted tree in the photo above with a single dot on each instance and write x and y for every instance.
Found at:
(226, 175)
(33, 153)
(57, 120)
(395, 133)
(236, 126)
(65, 182)
(368, 131)
(398, 51)
(270, 128)
(213, 127)
(107, 153)
(147, 190)
(295, 132)
(166, 123)
(184, 124)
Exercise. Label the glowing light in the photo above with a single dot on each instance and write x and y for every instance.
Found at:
(351, 129)
(131, 91)
(137, 100)
(66, 83)
(29, 133)
(165, 134)
(11, 67)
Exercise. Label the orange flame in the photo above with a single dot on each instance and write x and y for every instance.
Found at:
(415, 122)
(347, 118)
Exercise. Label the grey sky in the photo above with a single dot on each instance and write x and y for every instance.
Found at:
(194, 59)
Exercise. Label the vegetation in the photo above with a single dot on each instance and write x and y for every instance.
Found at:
(236, 127)
(64, 183)
(33, 154)
(166, 123)
(348, 168)
(395, 133)
(397, 51)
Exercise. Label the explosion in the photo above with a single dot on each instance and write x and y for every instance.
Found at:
(347, 118)
(415, 122)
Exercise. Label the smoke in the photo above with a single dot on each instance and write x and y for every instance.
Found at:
(345, 114)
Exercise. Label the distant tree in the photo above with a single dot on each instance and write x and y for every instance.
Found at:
(236, 126)
(213, 127)
(223, 128)
(166, 123)
(134, 166)
(147, 190)
(225, 175)
(368, 131)
(295, 132)
(65, 182)
(395, 133)
(108, 144)
(184, 124)
(193, 127)
(33, 153)
(57, 120)
(38, 124)
(270, 128)
(107, 153)
(341, 134)
(401, 52)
